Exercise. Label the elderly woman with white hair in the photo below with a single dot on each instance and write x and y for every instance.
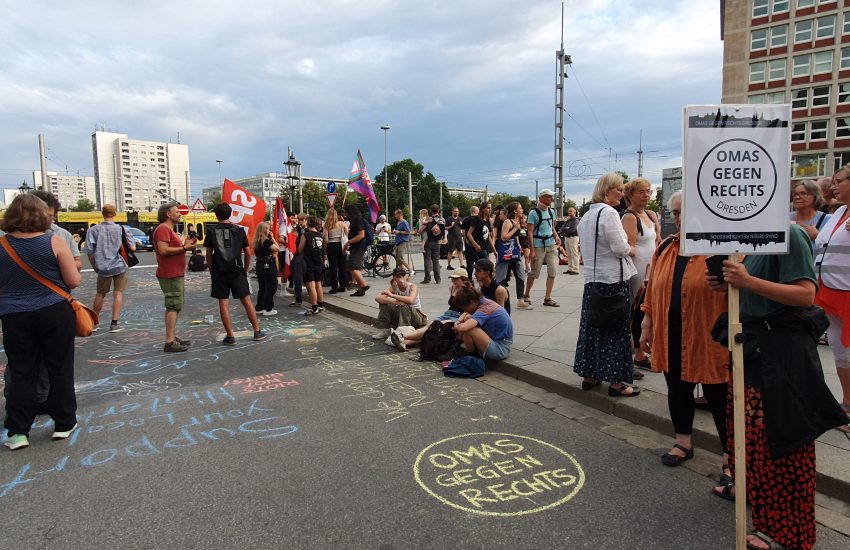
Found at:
(807, 200)
(680, 310)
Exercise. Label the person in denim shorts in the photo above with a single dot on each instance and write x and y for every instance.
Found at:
(484, 327)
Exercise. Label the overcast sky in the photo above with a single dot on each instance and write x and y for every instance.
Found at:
(466, 86)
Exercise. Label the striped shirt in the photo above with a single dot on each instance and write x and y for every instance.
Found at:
(19, 292)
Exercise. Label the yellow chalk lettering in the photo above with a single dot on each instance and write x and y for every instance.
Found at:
(529, 461)
(485, 472)
(503, 495)
(464, 476)
(444, 461)
(509, 446)
(488, 450)
(465, 456)
(474, 497)
(507, 467)
(534, 489)
(447, 480)
(547, 475)
(562, 474)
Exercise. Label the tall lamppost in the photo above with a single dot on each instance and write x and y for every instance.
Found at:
(24, 188)
(385, 128)
(293, 174)
(219, 170)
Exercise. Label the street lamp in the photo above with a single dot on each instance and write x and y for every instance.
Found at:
(219, 170)
(385, 128)
(24, 188)
(293, 173)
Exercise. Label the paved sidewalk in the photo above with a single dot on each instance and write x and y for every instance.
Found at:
(543, 351)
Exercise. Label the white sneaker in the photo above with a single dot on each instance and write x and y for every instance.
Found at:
(398, 341)
(270, 313)
(17, 441)
(522, 304)
(66, 434)
(383, 335)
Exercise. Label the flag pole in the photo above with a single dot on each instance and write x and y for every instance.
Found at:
(736, 346)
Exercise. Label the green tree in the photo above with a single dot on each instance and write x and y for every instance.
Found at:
(214, 201)
(83, 205)
(657, 203)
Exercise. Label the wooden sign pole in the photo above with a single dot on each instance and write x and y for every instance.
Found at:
(737, 348)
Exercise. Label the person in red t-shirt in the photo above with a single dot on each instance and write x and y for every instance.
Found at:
(171, 267)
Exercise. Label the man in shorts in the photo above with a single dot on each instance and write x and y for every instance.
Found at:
(402, 241)
(103, 246)
(170, 268)
(226, 245)
(484, 327)
(544, 245)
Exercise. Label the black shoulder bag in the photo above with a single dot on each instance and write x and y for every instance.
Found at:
(606, 313)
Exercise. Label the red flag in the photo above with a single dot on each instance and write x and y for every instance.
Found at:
(248, 210)
(282, 229)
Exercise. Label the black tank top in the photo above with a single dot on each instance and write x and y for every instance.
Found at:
(489, 292)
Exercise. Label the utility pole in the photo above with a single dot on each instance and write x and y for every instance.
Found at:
(43, 164)
(561, 62)
(640, 155)
(536, 190)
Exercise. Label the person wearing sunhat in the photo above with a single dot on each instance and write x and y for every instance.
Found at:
(459, 279)
(544, 245)
(399, 305)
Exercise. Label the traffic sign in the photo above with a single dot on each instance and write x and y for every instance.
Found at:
(183, 209)
(331, 187)
(331, 198)
(199, 206)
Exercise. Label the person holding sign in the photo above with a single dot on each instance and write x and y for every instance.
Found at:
(832, 258)
(787, 403)
(679, 311)
(606, 354)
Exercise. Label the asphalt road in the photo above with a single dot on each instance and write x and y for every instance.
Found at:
(320, 437)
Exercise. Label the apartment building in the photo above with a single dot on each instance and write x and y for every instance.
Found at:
(137, 175)
(68, 188)
(268, 185)
(797, 52)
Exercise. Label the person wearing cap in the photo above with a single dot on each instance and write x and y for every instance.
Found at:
(459, 280)
(485, 274)
(399, 305)
(544, 245)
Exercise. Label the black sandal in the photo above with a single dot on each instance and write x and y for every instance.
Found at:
(586, 386)
(725, 491)
(622, 391)
(725, 479)
(671, 460)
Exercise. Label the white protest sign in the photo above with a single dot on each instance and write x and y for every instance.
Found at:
(737, 164)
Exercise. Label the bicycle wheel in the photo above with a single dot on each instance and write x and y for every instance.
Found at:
(369, 261)
(384, 265)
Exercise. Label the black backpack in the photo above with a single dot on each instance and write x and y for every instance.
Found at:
(439, 343)
(228, 247)
(550, 219)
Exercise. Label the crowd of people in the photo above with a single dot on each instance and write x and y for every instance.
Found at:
(645, 306)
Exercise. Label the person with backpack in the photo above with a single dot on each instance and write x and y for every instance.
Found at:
(312, 247)
(360, 236)
(544, 245)
(459, 279)
(433, 228)
(104, 246)
(399, 305)
(226, 245)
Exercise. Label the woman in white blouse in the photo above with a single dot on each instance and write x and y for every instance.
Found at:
(602, 355)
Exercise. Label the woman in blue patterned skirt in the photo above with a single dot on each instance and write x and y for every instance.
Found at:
(605, 355)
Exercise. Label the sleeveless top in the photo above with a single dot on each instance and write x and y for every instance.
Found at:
(415, 305)
(489, 292)
(18, 291)
(334, 235)
(644, 249)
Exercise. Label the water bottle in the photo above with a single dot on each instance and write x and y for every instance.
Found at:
(209, 319)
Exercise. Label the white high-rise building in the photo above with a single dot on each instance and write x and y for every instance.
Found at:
(68, 188)
(138, 175)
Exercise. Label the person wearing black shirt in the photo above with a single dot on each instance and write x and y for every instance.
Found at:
(468, 250)
(454, 227)
(356, 248)
(480, 233)
(434, 227)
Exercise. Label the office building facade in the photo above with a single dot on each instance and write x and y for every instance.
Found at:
(797, 52)
(68, 188)
(137, 175)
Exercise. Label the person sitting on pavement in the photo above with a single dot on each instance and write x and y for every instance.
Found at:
(459, 280)
(197, 262)
(485, 274)
(485, 327)
(399, 305)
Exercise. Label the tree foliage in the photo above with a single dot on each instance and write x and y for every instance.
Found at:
(83, 205)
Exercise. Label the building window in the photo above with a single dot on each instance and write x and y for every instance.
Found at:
(805, 4)
(802, 65)
(845, 58)
(844, 93)
(758, 40)
(846, 29)
(803, 31)
(779, 36)
(760, 8)
(798, 132)
(780, 6)
(840, 159)
(756, 99)
(824, 2)
(808, 166)
(842, 128)
(817, 130)
(823, 62)
(777, 70)
(756, 73)
(826, 27)
(776, 97)
(820, 96)
(800, 99)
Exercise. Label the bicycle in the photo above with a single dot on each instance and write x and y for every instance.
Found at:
(379, 260)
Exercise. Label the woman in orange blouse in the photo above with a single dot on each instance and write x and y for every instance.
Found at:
(680, 311)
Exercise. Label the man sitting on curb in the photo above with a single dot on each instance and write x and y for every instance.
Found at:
(484, 327)
(399, 305)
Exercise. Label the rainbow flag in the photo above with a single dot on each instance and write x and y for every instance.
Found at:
(359, 182)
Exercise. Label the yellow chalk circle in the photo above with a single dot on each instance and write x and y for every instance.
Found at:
(498, 474)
